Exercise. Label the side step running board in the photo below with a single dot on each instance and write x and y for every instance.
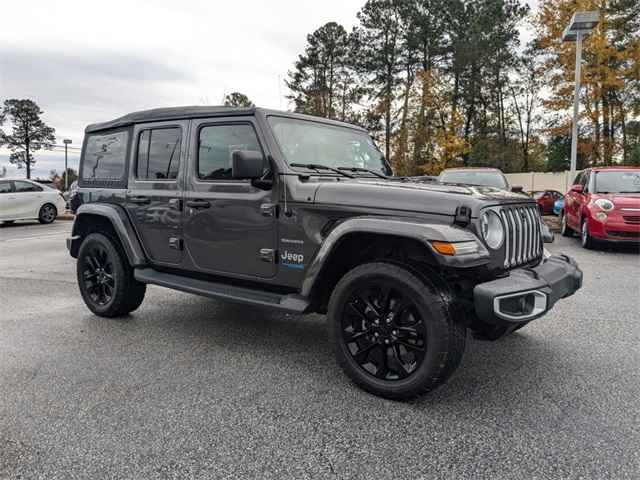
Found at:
(289, 303)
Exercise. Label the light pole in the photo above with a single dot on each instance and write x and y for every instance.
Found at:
(66, 142)
(580, 26)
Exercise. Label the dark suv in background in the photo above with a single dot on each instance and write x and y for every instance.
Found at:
(301, 215)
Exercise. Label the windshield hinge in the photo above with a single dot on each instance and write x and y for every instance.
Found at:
(463, 216)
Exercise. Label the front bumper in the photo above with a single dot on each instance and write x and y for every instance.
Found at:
(527, 293)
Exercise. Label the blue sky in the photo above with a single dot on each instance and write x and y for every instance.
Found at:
(89, 61)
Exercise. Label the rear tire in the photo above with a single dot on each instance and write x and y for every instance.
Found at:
(393, 331)
(565, 230)
(47, 214)
(105, 278)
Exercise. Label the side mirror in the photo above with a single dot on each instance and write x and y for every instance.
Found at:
(576, 188)
(516, 188)
(246, 164)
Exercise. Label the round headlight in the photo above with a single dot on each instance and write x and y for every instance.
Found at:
(492, 229)
(604, 204)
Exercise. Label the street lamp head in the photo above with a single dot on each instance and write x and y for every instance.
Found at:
(581, 22)
(66, 141)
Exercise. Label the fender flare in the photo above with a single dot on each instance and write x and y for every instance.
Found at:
(423, 231)
(118, 218)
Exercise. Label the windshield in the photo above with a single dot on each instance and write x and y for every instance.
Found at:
(308, 142)
(617, 181)
(472, 177)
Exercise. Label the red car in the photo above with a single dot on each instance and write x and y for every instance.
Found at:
(603, 204)
(545, 199)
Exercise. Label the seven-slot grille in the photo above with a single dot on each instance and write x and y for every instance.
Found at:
(523, 238)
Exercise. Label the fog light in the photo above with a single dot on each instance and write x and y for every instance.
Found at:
(518, 306)
(602, 216)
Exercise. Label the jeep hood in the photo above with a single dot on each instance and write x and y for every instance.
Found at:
(409, 196)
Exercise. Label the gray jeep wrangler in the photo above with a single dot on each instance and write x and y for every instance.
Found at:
(303, 215)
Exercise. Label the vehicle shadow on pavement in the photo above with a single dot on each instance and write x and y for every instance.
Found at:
(301, 345)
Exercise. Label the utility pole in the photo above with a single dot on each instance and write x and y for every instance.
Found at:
(66, 142)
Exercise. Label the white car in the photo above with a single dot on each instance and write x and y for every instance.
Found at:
(22, 199)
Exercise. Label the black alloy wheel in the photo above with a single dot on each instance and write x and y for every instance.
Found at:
(106, 280)
(395, 334)
(97, 275)
(384, 331)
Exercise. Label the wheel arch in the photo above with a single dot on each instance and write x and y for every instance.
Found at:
(110, 219)
(359, 240)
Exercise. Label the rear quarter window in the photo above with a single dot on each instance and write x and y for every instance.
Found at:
(104, 158)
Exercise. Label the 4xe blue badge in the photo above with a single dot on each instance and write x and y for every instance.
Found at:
(292, 255)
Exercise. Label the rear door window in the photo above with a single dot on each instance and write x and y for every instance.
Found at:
(158, 154)
(104, 157)
(5, 187)
(26, 187)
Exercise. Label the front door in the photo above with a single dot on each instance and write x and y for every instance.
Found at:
(154, 195)
(230, 225)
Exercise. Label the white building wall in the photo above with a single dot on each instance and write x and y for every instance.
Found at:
(541, 180)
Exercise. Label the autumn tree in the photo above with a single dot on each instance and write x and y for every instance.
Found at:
(237, 99)
(28, 134)
(610, 94)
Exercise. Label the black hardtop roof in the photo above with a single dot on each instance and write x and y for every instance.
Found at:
(198, 111)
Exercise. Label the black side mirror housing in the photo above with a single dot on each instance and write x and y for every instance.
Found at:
(517, 189)
(246, 164)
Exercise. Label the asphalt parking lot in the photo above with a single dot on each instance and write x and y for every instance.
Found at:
(189, 387)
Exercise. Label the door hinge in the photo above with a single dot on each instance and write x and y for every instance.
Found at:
(175, 204)
(269, 209)
(175, 243)
(267, 255)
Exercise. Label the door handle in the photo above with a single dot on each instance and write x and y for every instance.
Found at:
(198, 203)
(139, 200)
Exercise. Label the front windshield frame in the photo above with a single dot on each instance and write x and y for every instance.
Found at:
(503, 180)
(377, 164)
(599, 174)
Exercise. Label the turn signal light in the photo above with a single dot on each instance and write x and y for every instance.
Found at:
(458, 248)
(444, 248)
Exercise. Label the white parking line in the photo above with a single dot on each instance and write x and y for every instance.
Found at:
(19, 239)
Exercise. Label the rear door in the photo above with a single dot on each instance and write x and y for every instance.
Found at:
(27, 199)
(7, 200)
(230, 225)
(154, 194)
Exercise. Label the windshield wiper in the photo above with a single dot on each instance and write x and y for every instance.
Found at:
(316, 166)
(366, 170)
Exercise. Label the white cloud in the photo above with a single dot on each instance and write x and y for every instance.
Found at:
(88, 61)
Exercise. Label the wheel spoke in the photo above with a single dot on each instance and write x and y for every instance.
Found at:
(383, 367)
(362, 355)
(402, 371)
(357, 311)
(351, 337)
(411, 346)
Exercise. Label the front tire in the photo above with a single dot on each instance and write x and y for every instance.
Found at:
(565, 230)
(47, 213)
(586, 240)
(393, 331)
(105, 278)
